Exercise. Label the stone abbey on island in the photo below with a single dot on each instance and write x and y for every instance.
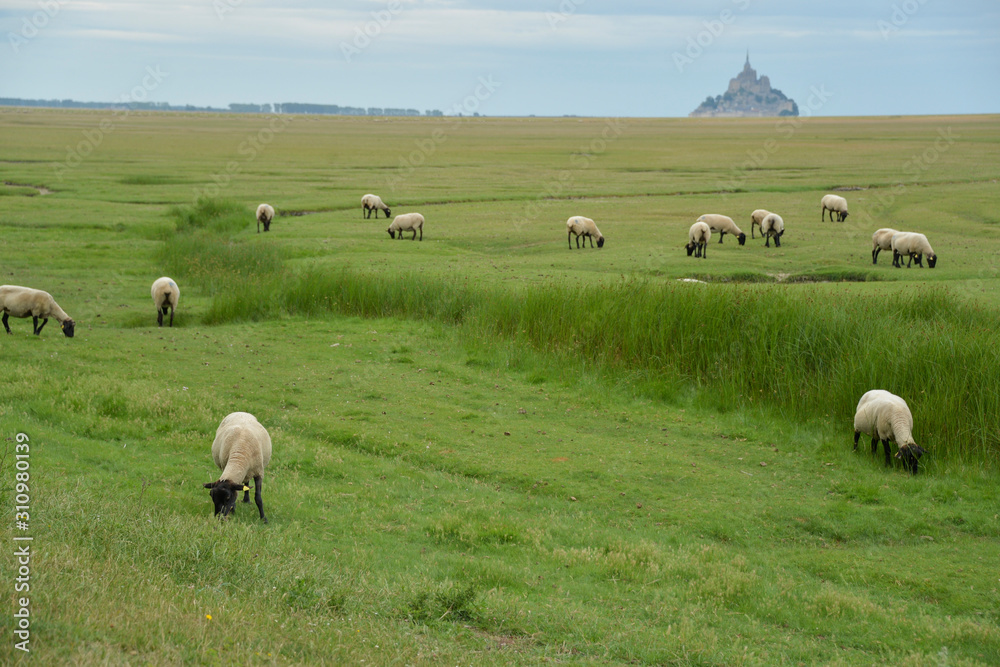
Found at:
(747, 96)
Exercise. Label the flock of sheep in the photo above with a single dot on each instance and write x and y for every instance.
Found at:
(242, 446)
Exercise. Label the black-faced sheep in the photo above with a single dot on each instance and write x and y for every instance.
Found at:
(34, 303)
(265, 213)
(371, 203)
(756, 218)
(772, 226)
(881, 240)
(834, 204)
(914, 246)
(585, 227)
(241, 449)
(888, 418)
(407, 222)
(723, 224)
(165, 294)
(698, 237)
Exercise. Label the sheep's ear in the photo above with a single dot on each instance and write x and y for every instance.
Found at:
(210, 485)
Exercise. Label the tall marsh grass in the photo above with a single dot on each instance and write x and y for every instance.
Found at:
(800, 353)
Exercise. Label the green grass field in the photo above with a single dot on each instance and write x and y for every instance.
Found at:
(488, 448)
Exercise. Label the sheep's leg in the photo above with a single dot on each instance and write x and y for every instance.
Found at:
(857, 434)
(874, 444)
(751, 231)
(777, 240)
(721, 234)
(888, 452)
(569, 242)
(159, 317)
(767, 242)
(256, 497)
(171, 316)
(4, 319)
(421, 232)
(38, 329)
(875, 252)
(704, 250)
(909, 260)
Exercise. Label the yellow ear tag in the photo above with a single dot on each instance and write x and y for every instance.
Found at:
(246, 488)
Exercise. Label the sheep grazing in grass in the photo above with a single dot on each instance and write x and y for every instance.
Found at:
(722, 224)
(34, 303)
(371, 203)
(756, 218)
(407, 222)
(265, 213)
(241, 449)
(165, 296)
(698, 237)
(888, 418)
(772, 226)
(586, 228)
(834, 204)
(881, 240)
(914, 246)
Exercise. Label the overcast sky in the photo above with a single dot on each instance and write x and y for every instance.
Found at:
(519, 57)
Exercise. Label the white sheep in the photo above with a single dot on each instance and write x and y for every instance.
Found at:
(772, 226)
(888, 418)
(914, 246)
(756, 218)
(586, 228)
(371, 203)
(241, 449)
(722, 224)
(165, 294)
(834, 204)
(24, 302)
(698, 238)
(881, 240)
(405, 223)
(265, 213)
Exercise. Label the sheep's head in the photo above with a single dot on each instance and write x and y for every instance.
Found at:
(931, 261)
(742, 238)
(224, 494)
(909, 455)
(388, 211)
(843, 216)
(600, 241)
(392, 234)
(68, 326)
(690, 248)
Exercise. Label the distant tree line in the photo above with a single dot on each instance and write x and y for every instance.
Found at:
(285, 107)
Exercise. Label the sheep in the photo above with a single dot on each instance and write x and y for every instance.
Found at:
(265, 213)
(915, 246)
(887, 417)
(881, 240)
(755, 219)
(723, 224)
(241, 449)
(165, 294)
(586, 228)
(772, 226)
(371, 203)
(834, 204)
(24, 301)
(699, 236)
(405, 223)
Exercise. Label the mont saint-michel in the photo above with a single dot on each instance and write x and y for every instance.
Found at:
(747, 96)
